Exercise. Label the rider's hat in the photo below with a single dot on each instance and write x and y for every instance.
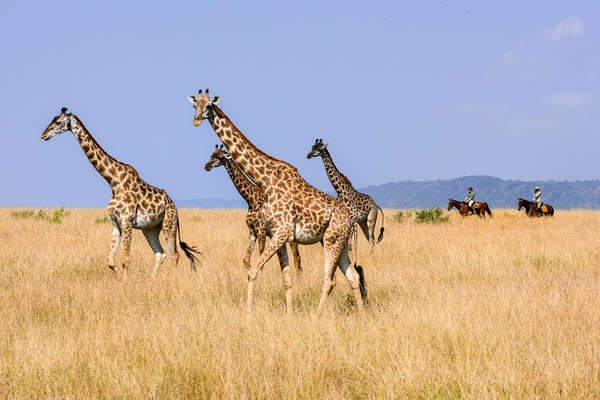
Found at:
(537, 188)
(470, 188)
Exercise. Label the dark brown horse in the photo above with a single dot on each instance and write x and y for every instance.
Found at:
(479, 208)
(532, 211)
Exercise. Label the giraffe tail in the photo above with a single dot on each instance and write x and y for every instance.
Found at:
(382, 228)
(189, 251)
(362, 283)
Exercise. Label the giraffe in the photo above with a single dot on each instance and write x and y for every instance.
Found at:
(295, 211)
(255, 198)
(134, 203)
(363, 208)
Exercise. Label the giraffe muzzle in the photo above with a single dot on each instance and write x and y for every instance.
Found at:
(197, 122)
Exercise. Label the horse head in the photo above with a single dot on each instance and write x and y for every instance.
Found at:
(522, 203)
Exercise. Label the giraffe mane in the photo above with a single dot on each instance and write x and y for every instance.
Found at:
(99, 146)
(225, 117)
(344, 177)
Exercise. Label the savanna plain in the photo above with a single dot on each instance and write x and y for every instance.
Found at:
(507, 307)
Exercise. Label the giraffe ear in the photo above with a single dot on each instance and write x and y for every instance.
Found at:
(192, 100)
(215, 100)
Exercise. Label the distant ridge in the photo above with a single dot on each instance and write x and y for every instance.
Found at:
(211, 203)
(496, 192)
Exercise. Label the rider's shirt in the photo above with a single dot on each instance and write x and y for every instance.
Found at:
(537, 196)
(470, 197)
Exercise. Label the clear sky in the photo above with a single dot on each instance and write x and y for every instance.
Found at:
(400, 90)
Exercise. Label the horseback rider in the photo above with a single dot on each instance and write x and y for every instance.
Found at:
(470, 199)
(537, 198)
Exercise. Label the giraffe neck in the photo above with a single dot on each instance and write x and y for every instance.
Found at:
(241, 182)
(258, 166)
(99, 158)
(341, 184)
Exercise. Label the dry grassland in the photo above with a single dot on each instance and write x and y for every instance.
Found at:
(501, 308)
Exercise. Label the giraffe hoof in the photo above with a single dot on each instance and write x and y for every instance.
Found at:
(112, 267)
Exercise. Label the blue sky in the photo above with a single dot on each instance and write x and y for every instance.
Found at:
(400, 91)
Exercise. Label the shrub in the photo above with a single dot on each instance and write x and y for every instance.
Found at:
(23, 214)
(58, 215)
(402, 215)
(54, 217)
(104, 220)
(431, 216)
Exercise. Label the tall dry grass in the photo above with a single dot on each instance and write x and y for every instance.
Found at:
(502, 308)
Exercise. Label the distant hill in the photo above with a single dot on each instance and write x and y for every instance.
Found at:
(212, 203)
(496, 192)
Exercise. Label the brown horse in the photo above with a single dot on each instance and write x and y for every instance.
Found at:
(532, 211)
(479, 208)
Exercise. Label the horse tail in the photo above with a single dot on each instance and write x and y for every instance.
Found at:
(382, 228)
(188, 250)
(362, 284)
(488, 209)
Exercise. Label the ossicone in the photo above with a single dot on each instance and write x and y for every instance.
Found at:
(63, 110)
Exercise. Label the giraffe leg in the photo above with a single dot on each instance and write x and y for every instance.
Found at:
(336, 254)
(297, 258)
(152, 236)
(355, 279)
(354, 236)
(261, 235)
(257, 229)
(371, 221)
(284, 264)
(126, 229)
(249, 248)
(365, 229)
(169, 227)
(328, 276)
(115, 240)
(277, 241)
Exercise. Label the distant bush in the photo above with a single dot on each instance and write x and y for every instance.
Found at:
(431, 216)
(402, 215)
(104, 220)
(23, 214)
(196, 218)
(54, 217)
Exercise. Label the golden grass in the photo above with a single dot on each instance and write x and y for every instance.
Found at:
(502, 308)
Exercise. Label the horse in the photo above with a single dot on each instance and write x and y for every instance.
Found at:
(479, 208)
(531, 208)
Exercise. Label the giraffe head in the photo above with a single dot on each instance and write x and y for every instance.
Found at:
(219, 157)
(59, 124)
(203, 105)
(318, 149)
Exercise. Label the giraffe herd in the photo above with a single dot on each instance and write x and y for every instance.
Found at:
(281, 205)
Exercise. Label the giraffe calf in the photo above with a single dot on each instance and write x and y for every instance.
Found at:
(256, 199)
(363, 209)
